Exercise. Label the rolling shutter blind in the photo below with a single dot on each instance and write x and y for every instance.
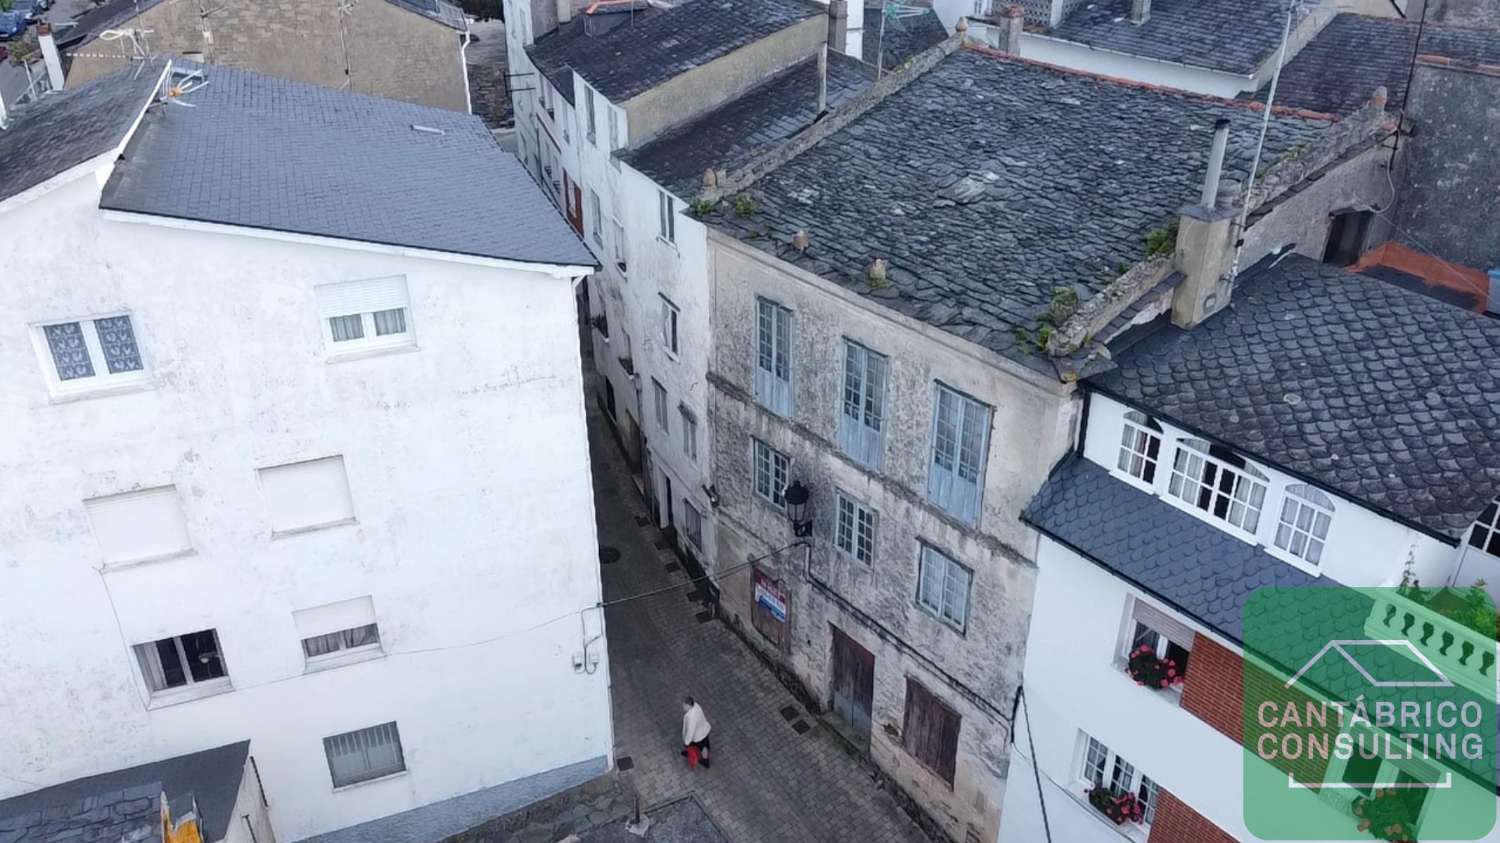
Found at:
(139, 525)
(1177, 632)
(307, 494)
(366, 296)
(334, 617)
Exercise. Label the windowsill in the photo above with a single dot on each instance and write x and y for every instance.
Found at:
(923, 764)
(312, 528)
(371, 351)
(1297, 562)
(332, 661)
(947, 624)
(124, 564)
(61, 395)
(670, 244)
(1171, 694)
(377, 780)
(1079, 792)
(189, 693)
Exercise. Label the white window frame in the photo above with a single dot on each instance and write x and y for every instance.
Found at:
(102, 381)
(862, 404)
(670, 314)
(777, 474)
(622, 261)
(939, 564)
(689, 432)
(774, 330)
(191, 689)
(614, 135)
(370, 341)
(659, 393)
(593, 120)
(692, 524)
(1297, 499)
(597, 217)
(374, 775)
(855, 526)
(666, 206)
(1092, 754)
(947, 487)
(1139, 433)
(1185, 486)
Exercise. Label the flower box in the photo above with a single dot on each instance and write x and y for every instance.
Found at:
(1152, 672)
(1118, 807)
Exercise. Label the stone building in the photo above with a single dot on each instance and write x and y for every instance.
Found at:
(904, 296)
(409, 50)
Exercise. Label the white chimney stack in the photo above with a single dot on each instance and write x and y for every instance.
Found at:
(1140, 11)
(854, 37)
(564, 11)
(50, 56)
(1210, 196)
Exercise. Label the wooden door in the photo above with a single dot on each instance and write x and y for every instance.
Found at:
(853, 682)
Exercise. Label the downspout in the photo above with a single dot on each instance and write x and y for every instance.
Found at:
(463, 59)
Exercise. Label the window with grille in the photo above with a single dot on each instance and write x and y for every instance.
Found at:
(689, 432)
(930, 730)
(660, 394)
(367, 314)
(1140, 446)
(364, 754)
(771, 471)
(1101, 767)
(692, 524)
(1218, 482)
(773, 359)
(960, 437)
(943, 587)
(182, 660)
(669, 314)
(863, 418)
(854, 529)
(1306, 515)
(88, 354)
(1485, 534)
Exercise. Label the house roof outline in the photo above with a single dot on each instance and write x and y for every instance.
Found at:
(1340, 646)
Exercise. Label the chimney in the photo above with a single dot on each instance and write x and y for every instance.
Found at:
(1140, 11)
(838, 24)
(1008, 25)
(1205, 246)
(564, 11)
(854, 33)
(822, 81)
(50, 55)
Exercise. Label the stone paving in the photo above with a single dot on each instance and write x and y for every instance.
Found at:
(768, 783)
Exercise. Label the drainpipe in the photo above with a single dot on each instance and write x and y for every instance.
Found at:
(463, 59)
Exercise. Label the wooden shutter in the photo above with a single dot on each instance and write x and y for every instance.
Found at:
(930, 730)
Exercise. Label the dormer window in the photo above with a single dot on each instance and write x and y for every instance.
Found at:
(1306, 514)
(1219, 482)
(1140, 446)
(1486, 532)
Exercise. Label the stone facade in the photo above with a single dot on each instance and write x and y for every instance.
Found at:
(391, 52)
(973, 670)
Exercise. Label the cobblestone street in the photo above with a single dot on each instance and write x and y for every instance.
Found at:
(767, 782)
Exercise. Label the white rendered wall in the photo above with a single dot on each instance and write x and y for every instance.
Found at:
(467, 463)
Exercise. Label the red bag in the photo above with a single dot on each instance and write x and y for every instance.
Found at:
(692, 756)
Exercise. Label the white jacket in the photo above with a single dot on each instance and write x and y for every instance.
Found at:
(694, 725)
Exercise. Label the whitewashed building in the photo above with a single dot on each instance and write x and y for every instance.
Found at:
(295, 454)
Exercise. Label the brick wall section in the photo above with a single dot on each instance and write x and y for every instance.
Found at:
(1175, 822)
(1214, 688)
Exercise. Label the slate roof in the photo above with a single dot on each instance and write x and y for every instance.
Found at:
(262, 152)
(986, 183)
(1337, 71)
(115, 13)
(636, 54)
(904, 37)
(211, 776)
(68, 128)
(1199, 569)
(1383, 395)
(132, 815)
(731, 134)
(1231, 36)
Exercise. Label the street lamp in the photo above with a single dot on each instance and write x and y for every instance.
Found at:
(797, 496)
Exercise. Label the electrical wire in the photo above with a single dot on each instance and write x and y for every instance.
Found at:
(1260, 144)
(1036, 769)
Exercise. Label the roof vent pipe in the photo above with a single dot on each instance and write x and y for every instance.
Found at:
(1210, 197)
(1140, 11)
(822, 82)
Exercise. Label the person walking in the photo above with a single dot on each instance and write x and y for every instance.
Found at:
(695, 730)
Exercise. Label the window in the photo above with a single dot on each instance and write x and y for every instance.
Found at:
(307, 495)
(1140, 446)
(960, 434)
(669, 315)
(666, 206)
(367, 314)
(364, 754)
(1101, 767)
(182, 660)
(609, 399)
(854, 529)
(338, 631)
(91, 353)
(621, 263)
(943, 587)
(1346, 236)
(930, 730)
(137, 526)
(1486, 532)
(771, 471)
(1167, 638)
(863, 418)
(598, 217)
(693, 524)
(614, 135)
(1306, 514)
(1219, 482)
(661, 404)
(588, 103)
(689, 432)
(773, 360)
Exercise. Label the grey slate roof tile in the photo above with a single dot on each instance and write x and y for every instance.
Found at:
(732, 134)
(1379, 393)
(115, 13)
(636, 52)
(261, 152)
(111, 816)
(66, 129)
(904, 37)
(985, 183)
(1232, 36)
(1200, 570)
(212, 776)
(1337, 71)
